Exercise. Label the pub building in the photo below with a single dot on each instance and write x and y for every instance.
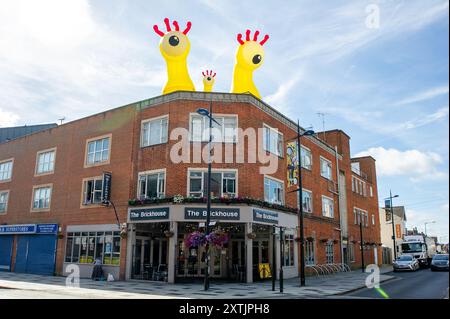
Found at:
(155, 205)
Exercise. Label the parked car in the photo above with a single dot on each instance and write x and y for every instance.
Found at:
(406, 262)
(439, 262)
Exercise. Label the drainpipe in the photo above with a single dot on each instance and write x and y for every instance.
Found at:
(339, 195)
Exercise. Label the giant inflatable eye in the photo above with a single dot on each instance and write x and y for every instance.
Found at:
(256, 59)
(174, 40)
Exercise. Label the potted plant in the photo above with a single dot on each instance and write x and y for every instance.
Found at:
(251, 235)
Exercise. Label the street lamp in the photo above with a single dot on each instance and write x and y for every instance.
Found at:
(300, 201)
(361, 239)
(208, 114)
(391, 210)
(432, 222)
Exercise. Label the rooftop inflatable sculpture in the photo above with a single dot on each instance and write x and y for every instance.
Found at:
(174, 46)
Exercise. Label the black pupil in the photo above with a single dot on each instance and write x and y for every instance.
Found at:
(208, 78)
(173, 40)
(256, 59)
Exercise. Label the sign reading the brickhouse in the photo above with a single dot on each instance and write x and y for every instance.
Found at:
(106, 188)
(265, 216)
(216, 213)
(149, 213)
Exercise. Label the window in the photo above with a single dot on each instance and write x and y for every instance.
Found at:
(310, 258)
(373, 219)
(273, 191)
(225, 131)
(6, 170)
(98, 151)
(325, 168)
(154, 131)
(86, 247)
(92, 191)
(222, 184)
(272, 141)
(288, 250)
(327, 207)
(361, 216)
(3, 201)
(45, 162)
(152, 185)
(307, 201)
(329, 252)
(306, 158)
(371, 191)
(351, 252)
(41, 197)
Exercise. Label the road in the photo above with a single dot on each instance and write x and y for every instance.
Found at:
(422, 284)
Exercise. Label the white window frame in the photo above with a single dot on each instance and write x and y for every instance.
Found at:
(163, 138)
(204, 173)
(325, 199)
(373, 220)
(6, 175)
(310, 253)
(93, 140)
(225, 137)
(4, 194)
(40, 188)
(52, 162)
(351, 252)
(361, 215)
(371, 190)
(329, 252)
(307, 191)
(288, 243)
(84, 203)
(302, 149)
(153, 172)
(267, 144)
(282, 190)
(323, 159)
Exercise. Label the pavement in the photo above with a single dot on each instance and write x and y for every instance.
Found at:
(14, 285)
(421, 284)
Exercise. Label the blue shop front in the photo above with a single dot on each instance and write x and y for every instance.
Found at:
(28, 248)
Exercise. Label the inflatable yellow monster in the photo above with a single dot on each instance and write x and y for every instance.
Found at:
(174, 47)
(208, 80)
(249, 57)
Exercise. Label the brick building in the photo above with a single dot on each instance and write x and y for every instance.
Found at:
(52, 184)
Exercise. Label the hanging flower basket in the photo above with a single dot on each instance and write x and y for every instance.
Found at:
(195, 239)
(178, 199)
(310, 238)
(217, 238)
(335, 241)
(60, 235)
(251, 235)
(168, 233)
(324, 240)
(297, 239)
(123, 233)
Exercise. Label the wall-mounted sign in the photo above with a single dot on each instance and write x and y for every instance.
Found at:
(149, 213)
(398, 231)
(265, 216)
(47, 229)
(216, 213)
(106, 188)
(18, 229)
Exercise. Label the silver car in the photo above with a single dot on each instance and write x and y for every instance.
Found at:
(407, 263)
(439, 262)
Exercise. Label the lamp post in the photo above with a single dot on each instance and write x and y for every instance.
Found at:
(300, 201)
(362, 242)
(209, 115)
(432, 222)
(391, 210)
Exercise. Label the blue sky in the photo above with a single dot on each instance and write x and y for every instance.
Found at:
(387, 87)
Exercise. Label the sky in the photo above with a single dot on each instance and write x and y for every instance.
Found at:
(377, 70)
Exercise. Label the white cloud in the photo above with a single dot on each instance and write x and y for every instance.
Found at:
(414, 164)
(423, 96)
(8, 118)
(279, 97)
(424, 120)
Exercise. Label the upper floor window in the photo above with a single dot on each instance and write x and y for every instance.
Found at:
(371, 191)
(6, 170)
(45, 162)
(273, 191)
(306, 158)
(307, 201)
(98, 151)
(225, 130)
(325, 168)
(92, 190)
(152, 185)
(3, 201)
(154, 131)
(327, 207)
(41, 197)
(222, 183)
(272, 140)
(361, 216)
(373, 219)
